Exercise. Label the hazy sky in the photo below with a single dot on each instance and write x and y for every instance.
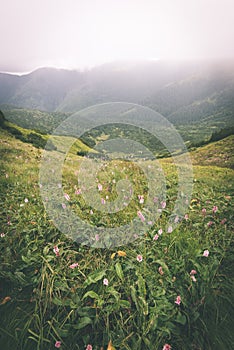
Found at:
(84, 33)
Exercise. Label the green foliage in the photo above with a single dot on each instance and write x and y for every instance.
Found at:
(136, 309)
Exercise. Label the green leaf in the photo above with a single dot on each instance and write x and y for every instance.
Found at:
(143, 305)
(181, 319)
(141, 286)
(119, 271)
(94, 277)
(83, 322)
(125, 304)
(91, 294)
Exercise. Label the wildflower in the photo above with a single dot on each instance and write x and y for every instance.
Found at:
(167, 347)
(57, 344)
(223, 221)
(139, 258)
(141, 199)
(163, 204)
(206, 253)
(89, 347)
(99, 187)
(2, 235)
(7, 176)
(210, 223)
(155, 199)
(26, 200)
(160, 231)
(169, 230)
(150, 222)
(72, 266)
(193, 278)
(91, 212)
(113, 255)
(78, 191)
(103, 201)
(59, 185)
(204, 211)
(105, 282)
(56, 250)
(215, 209)
(156, 237)
(186, 217)
(64, 206)
(176, 219)
(141, 216)
(97, 237)
(66, 196)
(178, 300)
(193, 272)
(121, 253)
(160, 270)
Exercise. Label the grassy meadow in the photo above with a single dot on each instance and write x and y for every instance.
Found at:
(166, 290)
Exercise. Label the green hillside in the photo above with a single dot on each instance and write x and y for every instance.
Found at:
(220, 153)
(127, 294)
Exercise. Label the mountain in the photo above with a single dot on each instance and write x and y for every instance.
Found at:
(192, 95)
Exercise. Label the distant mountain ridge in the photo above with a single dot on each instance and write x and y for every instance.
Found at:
(196, 97)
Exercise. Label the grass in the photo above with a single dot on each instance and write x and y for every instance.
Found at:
(43, 300)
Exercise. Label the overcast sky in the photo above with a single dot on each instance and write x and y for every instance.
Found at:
(84, 33)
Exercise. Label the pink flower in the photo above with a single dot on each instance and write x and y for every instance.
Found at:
(57, 344)
(150, 222)
(204, 211)
(178, 300)
(139, 258)
(156, 237)
(141, 199)
(99, 187)
(176, 219)
(215, 209)
(2, 235)
(56, 250)
(167, 347)
(66, 196)
(186, 217)
(169, 230)
(193, 278)
(141, 216)
(223, 221)
(64, 206)
(155, 199)
(160, 270)
(105, 282)
(89, 347)
(103, 201)
(78, 191)
(210, 223)
(206, 253)
(97, 237)
(193, 272)
(163, 204)
(160, 231)
(72, 266)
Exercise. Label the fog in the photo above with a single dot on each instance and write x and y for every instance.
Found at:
(81, 34)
